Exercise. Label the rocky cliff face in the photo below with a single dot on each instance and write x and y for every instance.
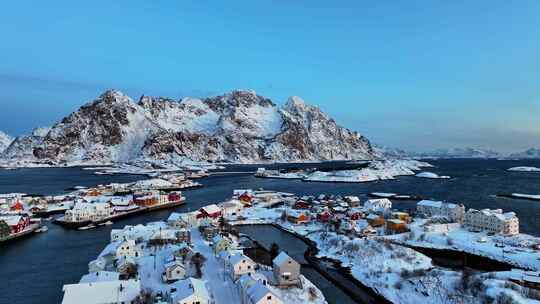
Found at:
(240, 126)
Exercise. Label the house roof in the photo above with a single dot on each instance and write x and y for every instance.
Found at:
(237, 258)
(100, 276)
(102, 292)
(210, 209)
(11, 220)
(190, 287)
(258, 291)
(281, 259)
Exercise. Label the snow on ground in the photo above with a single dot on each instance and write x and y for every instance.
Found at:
(515, 250)
(524, 169)
(377, 170)
(527, 196)
(431, 175)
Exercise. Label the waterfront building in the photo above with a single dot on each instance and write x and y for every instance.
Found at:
(232, 208)
(378, 205)
(210, 211)
(453, 212)
(492, 220)
(111, 292)
(286, 270)
(88, 212)
(16, 223)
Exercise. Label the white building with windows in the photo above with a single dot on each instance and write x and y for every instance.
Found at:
(88, 212)
(240, 264)
(114, 292)
(378, 205)
(492, 220)
(128, 249)
(453, 212)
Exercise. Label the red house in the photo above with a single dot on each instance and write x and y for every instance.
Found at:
(18, 206)
(17, 223)
(245, 198)
(355, 216)
(324, 216)
(301, 205)
(212, 211)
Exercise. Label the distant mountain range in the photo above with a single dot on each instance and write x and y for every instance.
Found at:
(240, 126)
(455, 153)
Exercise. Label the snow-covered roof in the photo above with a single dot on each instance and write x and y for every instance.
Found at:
(174, 217)
(281, 259)
(430, 203)
(210, 209)
(190, 287)
(237, 258)
(259, 291)
(102, 292)
(11, 220)
(100, 276)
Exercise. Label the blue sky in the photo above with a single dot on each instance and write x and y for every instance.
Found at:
(414, 74)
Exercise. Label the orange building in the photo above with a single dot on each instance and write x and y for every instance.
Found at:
(396, 226)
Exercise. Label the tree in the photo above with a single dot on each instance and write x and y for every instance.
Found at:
(221, 223)
(274, 251)
(198, 261)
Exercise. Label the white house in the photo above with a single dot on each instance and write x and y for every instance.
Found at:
(232, 208)
(239, 264)
(492, 220)
(128, 249)
(110, 292)
(183, 220)
(453, 212)
(286, 270)
(190, 291)
(377, 205)
(254, 289)
(88, 212)
(174, 271)
(100, 276)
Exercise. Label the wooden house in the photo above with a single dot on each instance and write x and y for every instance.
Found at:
(286, 270)
(375, 220)
(396, 226)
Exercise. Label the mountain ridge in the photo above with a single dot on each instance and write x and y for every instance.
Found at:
(239, 126)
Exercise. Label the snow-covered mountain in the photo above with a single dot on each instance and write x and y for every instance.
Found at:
(460, 153)
(530, 153)
(5, 141)
(388, 152)
(240, 126)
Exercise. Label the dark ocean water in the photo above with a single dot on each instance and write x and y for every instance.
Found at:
(33, 270)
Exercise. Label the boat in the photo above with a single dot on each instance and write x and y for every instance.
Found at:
(91, 226)
(42, 229)
(107, 223)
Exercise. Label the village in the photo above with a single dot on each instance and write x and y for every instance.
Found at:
(86, 208)
(199, 256)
